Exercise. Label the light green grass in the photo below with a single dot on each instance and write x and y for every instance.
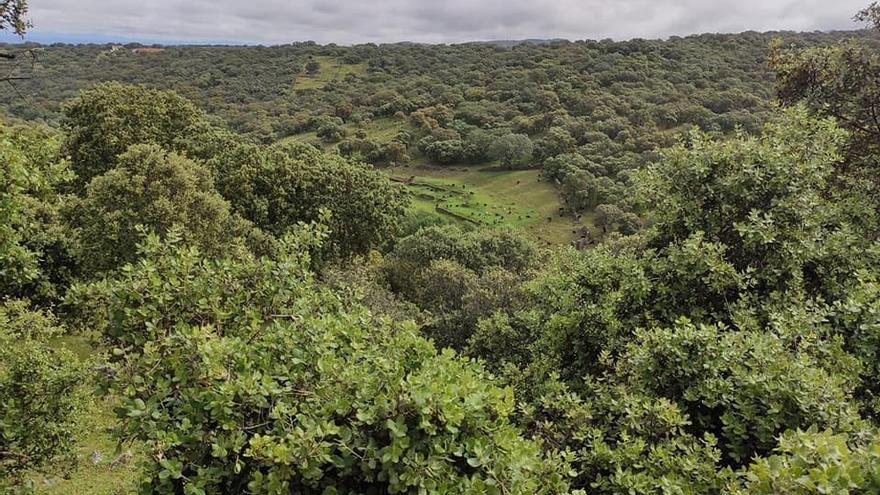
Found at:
(382, 130)
(493, 198)
(100, 469)
(331, 70)
(489, 197)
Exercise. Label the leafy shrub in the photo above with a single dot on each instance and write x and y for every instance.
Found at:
(108, 118)
(622, 441)
(365, 206)
(330, 130)
(34, 246)
(512, 150)
(812, 461)
(150, 188)
(745, 387)
(583, 305)
(762, 203)
(279, 186)
(42, 393)
(476, 250)
(241, 375)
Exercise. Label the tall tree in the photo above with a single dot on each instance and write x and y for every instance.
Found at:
(105, 120)
(842, 81)
(512, 149)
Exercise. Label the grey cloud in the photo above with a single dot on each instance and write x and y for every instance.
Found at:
(349, 21)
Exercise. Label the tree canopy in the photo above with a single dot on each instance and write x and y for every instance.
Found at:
(217, 267)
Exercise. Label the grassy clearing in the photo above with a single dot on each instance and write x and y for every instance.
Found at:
(473, 194)
(100, 469)
(382, 130)
(331, 70)
(489, 197)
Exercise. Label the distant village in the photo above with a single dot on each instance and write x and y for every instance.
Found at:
(141, 49)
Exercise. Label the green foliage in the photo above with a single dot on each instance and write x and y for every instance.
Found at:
(557, 141)
(583, 305)
(856, 318)
(365, 205)
(747, 232)
(278, 187)
(476, 250)
(751, 215)
(810, 462)
(272, 187)
(363, 279)
(841, 81)
(105, 120)
(838, 81)
(34, 246)
(512, 150)
(13, 16)
(613, 218)
(242, 376)
(729, 315)
(458, 277)
(330, 130)
(447, 151)
(312, 67)
(17, 263)
(154, 189)
(627, 442)
(42, 394)
(744, 387)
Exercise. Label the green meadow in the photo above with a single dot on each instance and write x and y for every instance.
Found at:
(489, 197)
(331, 70)
(482, 195)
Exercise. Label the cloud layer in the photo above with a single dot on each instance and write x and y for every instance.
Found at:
(434, 21)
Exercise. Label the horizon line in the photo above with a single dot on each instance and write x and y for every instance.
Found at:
(51, 38)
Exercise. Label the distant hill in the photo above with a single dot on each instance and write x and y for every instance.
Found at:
(512, 43)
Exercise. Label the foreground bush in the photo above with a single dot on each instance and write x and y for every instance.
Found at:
(34, 247)
(42, 394)
(747, 388)
(154, 188)
(241, 376)
(816, 462)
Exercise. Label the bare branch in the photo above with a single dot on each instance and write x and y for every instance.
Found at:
(20, 66)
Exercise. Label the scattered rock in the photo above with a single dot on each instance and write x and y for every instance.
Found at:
(123, 459)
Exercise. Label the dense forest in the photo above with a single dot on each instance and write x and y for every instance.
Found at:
(218, 272)
(589, 112)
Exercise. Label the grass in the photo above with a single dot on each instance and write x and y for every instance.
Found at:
(331, 70)
(490, 197)
(479, 194)
(382, 130)
(100, 469)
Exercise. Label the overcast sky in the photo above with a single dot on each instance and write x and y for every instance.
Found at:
(433, 21)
